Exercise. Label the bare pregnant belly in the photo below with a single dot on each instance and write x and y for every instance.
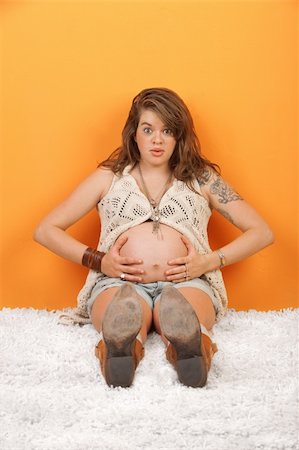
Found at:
(155, 252)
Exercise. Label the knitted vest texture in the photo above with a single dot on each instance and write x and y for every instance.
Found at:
(125, 206)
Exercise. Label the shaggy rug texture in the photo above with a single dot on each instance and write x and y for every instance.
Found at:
(52, 395)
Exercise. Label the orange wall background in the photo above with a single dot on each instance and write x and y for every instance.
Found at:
(68, 73)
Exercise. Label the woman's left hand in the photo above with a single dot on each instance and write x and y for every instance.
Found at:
(187, 267)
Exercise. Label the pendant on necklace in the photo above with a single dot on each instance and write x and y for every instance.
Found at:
(156, 225)
(155, 204)
(156, 220)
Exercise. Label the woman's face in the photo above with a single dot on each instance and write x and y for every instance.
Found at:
(155, 141)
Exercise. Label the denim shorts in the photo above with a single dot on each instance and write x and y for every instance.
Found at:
(151, 292)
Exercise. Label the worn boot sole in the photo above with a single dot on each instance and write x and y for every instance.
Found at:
(121, 324)
(180, 326)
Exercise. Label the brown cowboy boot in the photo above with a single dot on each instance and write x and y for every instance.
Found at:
(119, 351)
(189, 351)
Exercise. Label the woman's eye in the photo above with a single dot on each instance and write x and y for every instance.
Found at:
(147, 130)
(168, 131)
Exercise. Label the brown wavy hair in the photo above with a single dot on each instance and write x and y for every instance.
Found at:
(186, 162)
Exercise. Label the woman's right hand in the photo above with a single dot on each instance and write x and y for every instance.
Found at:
(114, 265)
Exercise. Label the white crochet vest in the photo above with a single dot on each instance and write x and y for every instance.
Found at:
(125, 206)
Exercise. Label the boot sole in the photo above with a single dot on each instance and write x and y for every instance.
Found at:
(121, 325)
(180, 326)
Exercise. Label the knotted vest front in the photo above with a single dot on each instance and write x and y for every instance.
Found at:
(125, 206)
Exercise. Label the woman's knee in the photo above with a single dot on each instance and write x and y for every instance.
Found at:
(100, 305)
(103, 300)
(202, 305)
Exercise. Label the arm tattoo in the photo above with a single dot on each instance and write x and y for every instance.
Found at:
(204, 178)
(226, 215)
(225, 193)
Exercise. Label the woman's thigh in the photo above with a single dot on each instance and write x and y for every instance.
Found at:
(201, 304)
(103, 300)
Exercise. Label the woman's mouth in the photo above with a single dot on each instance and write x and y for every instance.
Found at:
(157, 151)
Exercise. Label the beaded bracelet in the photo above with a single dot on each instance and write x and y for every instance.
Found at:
(92, 259)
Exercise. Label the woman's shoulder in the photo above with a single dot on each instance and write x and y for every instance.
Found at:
(104, 173)
(103, 178)
(106, 179)
(206, 178)
(99, 177)
(95, 185)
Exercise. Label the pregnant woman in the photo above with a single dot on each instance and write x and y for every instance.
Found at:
(153, 267)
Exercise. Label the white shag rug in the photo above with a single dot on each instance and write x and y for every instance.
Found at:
(52, 396)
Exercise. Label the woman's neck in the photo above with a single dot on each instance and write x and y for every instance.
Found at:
(157, 170)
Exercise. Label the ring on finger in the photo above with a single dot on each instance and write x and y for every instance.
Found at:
(123, 276)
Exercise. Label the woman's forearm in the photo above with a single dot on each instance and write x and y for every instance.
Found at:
(60, 242)
(249, 243)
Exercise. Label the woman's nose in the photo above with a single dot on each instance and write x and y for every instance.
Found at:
(157, 137)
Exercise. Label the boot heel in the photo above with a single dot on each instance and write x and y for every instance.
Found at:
(192, 371)
(120, 371)
(119, 350)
